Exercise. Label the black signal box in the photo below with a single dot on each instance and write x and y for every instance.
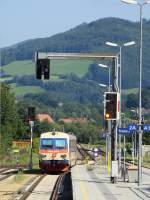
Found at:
(42, 68)
(31, 113)
(111, 106)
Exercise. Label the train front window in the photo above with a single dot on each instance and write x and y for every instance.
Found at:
(60, 144)
(47, 143)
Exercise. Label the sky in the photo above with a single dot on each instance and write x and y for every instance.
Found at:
(28, 19)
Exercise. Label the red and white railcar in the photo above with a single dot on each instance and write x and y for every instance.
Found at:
(57, 151)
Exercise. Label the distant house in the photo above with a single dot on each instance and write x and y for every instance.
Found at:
(73, 120)
(44, 118)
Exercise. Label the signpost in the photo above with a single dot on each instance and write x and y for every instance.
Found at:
(131, 130)
(104, 135)
(123, 131)
(132, 127)
(146, 127)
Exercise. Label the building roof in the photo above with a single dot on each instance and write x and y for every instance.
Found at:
(73, 120)
(44, 118)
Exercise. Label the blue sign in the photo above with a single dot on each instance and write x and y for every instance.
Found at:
(132, 127)
(124, 131)
(146, 127)
(104, 135)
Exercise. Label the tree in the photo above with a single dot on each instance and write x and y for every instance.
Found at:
(11, 124)
(132, 101)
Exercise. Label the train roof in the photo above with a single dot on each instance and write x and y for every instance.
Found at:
(57, 134)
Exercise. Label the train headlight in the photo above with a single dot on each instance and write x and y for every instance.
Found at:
(63, 156)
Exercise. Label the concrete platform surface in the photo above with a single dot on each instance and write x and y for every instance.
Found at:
(93, 183)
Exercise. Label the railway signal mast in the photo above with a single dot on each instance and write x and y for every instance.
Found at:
(31, 119)
(112, 112)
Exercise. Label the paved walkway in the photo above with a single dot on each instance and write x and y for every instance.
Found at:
(94, 184)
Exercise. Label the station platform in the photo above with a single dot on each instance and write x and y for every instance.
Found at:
(93, 183)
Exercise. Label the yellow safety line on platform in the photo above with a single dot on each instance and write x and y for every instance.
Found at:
(109, 163)
(82, 186)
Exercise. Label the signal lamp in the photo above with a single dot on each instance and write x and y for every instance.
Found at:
(31, 113)
(42, 68)
(111, 105)
(107, 115)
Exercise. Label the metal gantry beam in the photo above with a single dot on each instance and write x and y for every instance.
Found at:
(75, 56)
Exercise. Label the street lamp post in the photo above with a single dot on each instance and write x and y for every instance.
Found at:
(120, 83)
(140, 85)
(108, 139)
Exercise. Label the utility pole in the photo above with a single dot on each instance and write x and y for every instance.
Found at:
(31, 143)
(114, 164)
(31, 119)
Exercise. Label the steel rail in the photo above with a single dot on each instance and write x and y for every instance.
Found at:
(31, 188)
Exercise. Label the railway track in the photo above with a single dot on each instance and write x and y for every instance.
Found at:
(6, 173)
(85, 154)
(24, 192)
(3, 170)
(47, 187)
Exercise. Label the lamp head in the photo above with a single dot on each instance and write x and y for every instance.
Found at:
(130, 1)
(101, 65)
(111, 44)
(129, 43)
(102, 85)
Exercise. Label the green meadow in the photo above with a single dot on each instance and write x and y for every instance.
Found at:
(130, 91)
(19, 68)
(20, 91)
(57, 67)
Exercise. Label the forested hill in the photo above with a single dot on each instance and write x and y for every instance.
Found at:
(91, 37)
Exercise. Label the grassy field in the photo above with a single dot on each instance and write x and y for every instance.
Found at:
(9, 157)
(58, 67)
(130, 91)
(19, 68)
(20, 91)
(6, 79)
(77, 67)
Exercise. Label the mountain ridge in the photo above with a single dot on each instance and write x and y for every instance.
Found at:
(91, 37)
